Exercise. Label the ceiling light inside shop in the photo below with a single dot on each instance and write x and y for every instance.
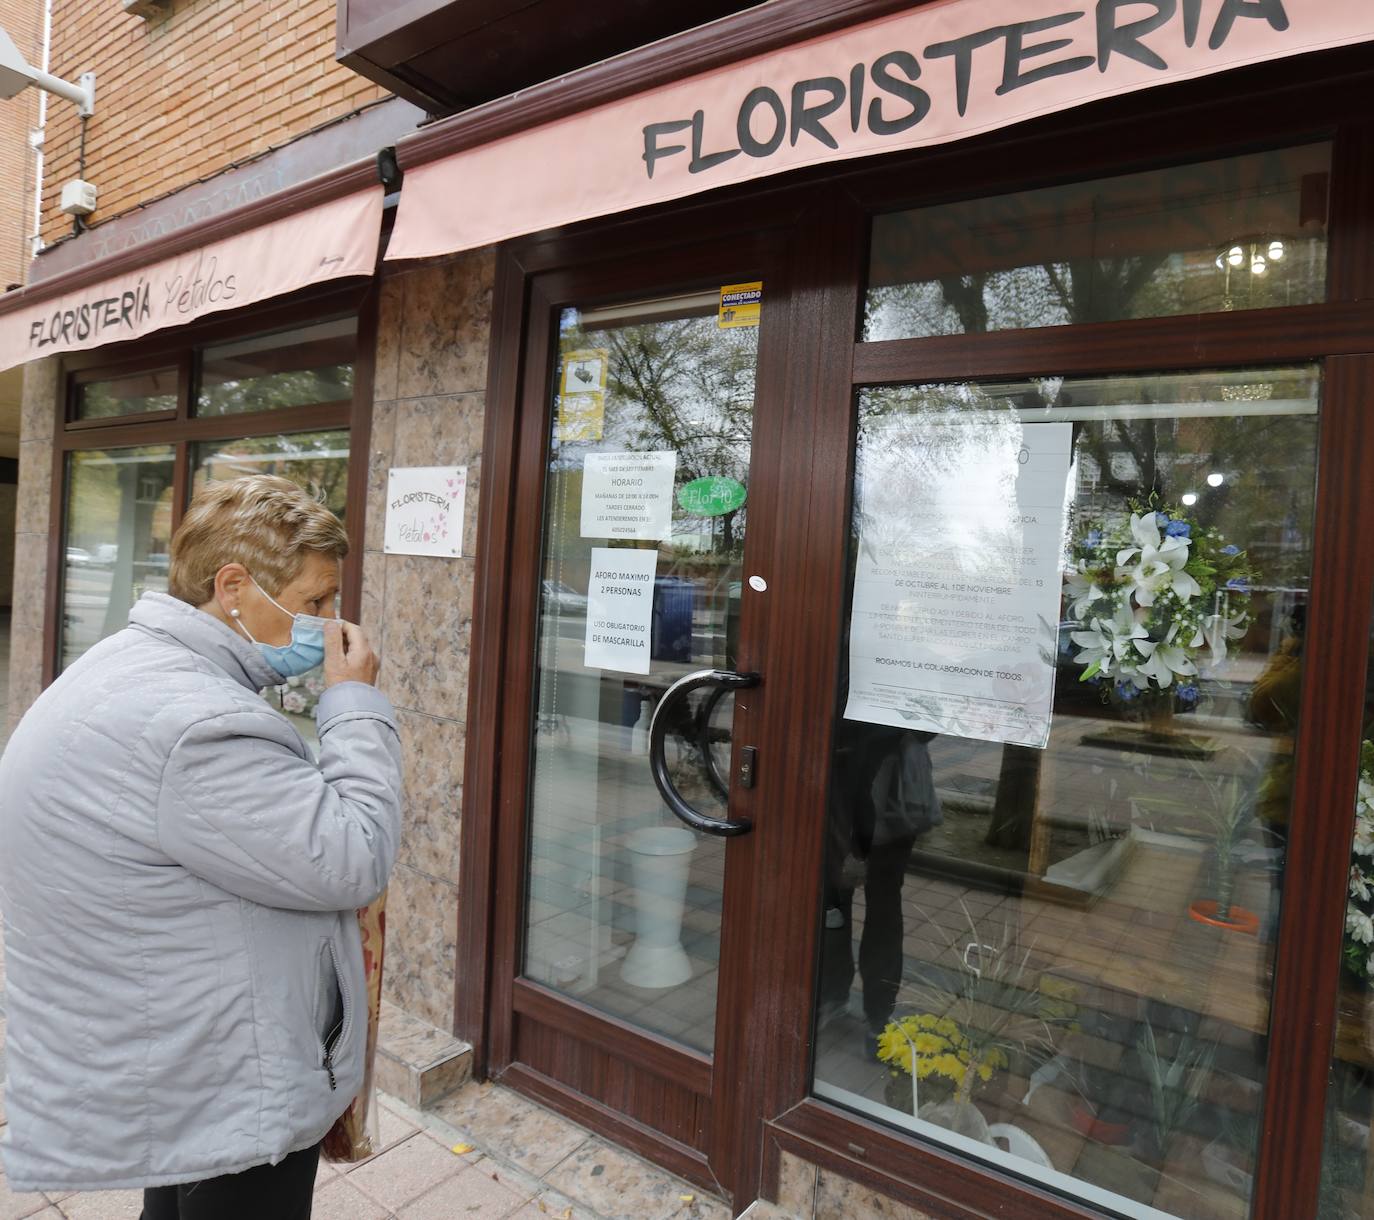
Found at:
(1216, 478)
(1189, 498)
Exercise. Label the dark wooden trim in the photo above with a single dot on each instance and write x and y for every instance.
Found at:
(675, 1157)
(181, 482)
(57, 534)
(671, 1060)
(142, 419)
(359, 452)
(473, 1001)
(753, 32)
(919, 1173)
(347, 179)
(320, 417)
(1192, 341)
(1317, 867)
(1351, 257)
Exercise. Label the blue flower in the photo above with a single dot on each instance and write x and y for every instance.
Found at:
(1230, 549)
(1094, 537)
(1188, 694)
(1178, 529)
(1238, 584)
(1126, 691)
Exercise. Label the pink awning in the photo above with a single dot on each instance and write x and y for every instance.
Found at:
(326, 242)
(937, 73)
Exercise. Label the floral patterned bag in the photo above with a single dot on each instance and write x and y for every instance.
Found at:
(355, 1137)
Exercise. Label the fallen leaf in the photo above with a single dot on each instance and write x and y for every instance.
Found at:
(687, 1198)
(460, 1149)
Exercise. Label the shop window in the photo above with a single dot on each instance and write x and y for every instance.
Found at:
(136, 394)
(1347, 1165)
(1245, 232)
(317, 461)
(1059, 805)
(120, 506)
(290, 369)
(119, 524)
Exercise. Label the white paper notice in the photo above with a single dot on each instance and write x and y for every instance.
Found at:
(424, 510)
(961, 526)
(628, 495)
(620, 609)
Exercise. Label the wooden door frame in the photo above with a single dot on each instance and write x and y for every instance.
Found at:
(542, 280)
(1172, 125)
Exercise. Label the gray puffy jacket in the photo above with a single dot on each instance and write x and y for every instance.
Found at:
(179, 879)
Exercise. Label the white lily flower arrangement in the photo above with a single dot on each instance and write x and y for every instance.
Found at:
(1357, 952)
(1158, 598)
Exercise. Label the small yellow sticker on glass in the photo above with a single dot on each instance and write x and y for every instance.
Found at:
(740, 304)
(582, 395)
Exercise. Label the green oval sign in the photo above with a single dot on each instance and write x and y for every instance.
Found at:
(711, 497)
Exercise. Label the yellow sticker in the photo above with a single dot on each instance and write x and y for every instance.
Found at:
(740, 304)
(582, 395)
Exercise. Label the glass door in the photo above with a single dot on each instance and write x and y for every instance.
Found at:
(646, 507)
(633, 692)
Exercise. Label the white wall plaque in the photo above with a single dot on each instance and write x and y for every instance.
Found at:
(957, 584)
(620, 609)
(628, 495)
(424, 510)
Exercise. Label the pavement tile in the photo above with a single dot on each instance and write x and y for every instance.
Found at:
(473, 1195)
(405, 1172)
(617, 1185)
(550, 1205)
(340, 1200)
(104, 1205)
(15, 1207)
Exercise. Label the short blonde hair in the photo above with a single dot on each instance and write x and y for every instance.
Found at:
(261, 521)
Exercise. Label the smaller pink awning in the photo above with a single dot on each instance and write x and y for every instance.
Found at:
(326, 242)
(939, 71)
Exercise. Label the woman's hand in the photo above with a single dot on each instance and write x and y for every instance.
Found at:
(348, 657)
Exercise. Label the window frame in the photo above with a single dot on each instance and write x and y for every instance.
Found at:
(183, 429)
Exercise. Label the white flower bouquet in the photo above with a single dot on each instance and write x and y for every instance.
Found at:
(1158, 597)
(1358, 950)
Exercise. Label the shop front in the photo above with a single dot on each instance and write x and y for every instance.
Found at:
(892, 724)
(904, 663)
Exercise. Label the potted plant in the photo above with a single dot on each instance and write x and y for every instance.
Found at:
(1228, 813)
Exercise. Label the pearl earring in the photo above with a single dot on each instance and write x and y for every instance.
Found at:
(234, 613)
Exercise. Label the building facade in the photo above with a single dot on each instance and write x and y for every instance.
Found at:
(849, 497)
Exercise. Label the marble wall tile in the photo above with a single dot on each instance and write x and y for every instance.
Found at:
(26, 672)
(35, 487)
(446, 324)
(797, 1186)
(443, 430)
(838, 1198)
(421, 946)
(472, 505)
(379, 461)
(30, 576)
(373, 614)
(427, 633)
(388, 356)
(433, 793)
(39, 403)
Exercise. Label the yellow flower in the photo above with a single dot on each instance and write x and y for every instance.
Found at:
(894, 1048)
(948, 1066)
(930, 1044)
(985, 1071)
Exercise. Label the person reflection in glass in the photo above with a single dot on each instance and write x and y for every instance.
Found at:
(882, 798)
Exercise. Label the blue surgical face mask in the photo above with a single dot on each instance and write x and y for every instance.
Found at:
(306, 650)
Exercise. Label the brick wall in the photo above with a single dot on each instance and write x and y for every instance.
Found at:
(23, 21)
(181, 97)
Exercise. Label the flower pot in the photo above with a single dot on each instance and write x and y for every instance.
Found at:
(1086, 1122)
(659, 859)
(961, 1117)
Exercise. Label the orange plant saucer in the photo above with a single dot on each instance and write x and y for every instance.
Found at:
(1241, 920)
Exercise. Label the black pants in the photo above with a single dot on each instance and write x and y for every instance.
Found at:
(880, 946)
(265, 1192)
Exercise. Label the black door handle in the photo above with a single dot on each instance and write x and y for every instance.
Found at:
(726, 680)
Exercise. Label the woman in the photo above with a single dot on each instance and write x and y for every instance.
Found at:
(179, 878)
